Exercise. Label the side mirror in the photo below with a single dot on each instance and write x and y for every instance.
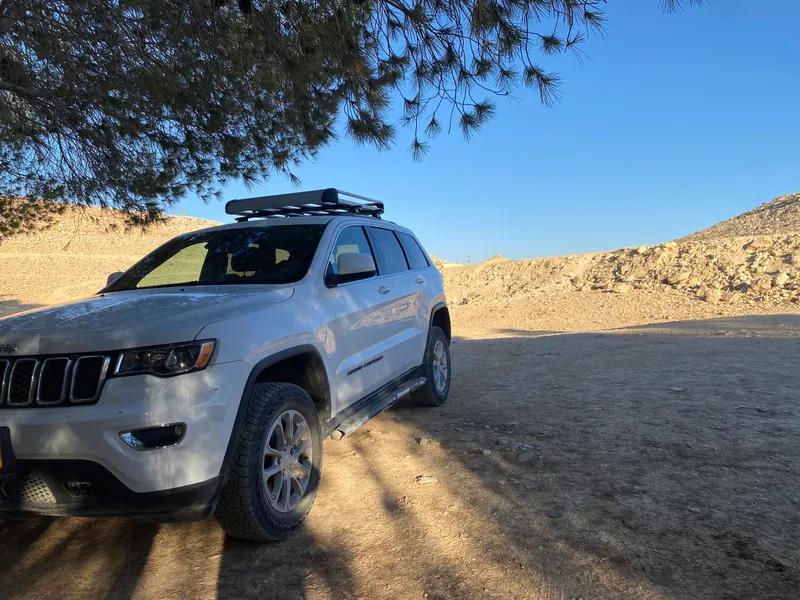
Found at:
(352, 266)
(113, 277)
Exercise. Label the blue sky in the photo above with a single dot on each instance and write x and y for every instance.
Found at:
(675, 123)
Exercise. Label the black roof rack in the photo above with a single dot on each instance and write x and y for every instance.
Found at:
(305, 204)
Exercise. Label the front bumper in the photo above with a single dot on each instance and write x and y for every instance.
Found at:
(61, 488)
(46, 439)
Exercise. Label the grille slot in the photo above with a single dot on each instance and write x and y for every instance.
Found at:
(20, 382)
(87, 377)
(53, 381)
(50, 381)
(4, 373)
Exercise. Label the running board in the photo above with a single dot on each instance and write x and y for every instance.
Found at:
(383, 402)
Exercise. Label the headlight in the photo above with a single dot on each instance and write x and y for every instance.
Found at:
(166, 360)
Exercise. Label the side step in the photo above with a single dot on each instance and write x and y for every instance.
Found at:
(383, 402)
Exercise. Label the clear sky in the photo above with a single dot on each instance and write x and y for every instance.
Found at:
(675, 123)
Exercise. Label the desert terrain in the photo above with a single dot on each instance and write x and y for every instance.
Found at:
(621, 425)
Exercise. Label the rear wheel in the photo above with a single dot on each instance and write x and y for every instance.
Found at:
(277, 459)
(437, 371)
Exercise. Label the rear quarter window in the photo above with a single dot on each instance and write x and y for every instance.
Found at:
(391, 253)
(416, 257)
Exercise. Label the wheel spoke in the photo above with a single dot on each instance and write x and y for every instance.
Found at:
(279, 435)
(290, 426)
(271, 471)
(302, 428)
(302, 484)
(302, 448)
(306, 469)
(270, 451)
(277, 488)
(287, 491)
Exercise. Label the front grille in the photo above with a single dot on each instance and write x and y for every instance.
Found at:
(30, 382)
(87, 378)
(21, 381)
(53, 381)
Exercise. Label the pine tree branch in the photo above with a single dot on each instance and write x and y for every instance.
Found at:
(25, 91)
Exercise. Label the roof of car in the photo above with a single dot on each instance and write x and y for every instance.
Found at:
(315, 220)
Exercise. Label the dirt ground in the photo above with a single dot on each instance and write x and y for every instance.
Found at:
(653, 462)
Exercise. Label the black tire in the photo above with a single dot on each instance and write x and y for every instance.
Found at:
(243, 510)
(429, 394)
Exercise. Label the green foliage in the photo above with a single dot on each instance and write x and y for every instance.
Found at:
(133, 103)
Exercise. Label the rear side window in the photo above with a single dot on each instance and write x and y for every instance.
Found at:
(415, 255)
(351, 239)
(394, 260)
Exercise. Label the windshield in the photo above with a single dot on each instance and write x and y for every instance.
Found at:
(267, 255)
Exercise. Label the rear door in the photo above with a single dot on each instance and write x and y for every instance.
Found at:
(402, 303)
(428, 282)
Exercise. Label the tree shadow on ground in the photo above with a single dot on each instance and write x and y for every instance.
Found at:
(11, 306)
(72, 558)
(650, 463)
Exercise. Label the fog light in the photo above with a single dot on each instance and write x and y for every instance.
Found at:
(81, 488)
(152, 438)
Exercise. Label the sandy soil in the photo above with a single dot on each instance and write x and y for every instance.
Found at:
(656, 461)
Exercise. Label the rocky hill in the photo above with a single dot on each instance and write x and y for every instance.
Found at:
(781, 215)
(753, 258)
(763, 269)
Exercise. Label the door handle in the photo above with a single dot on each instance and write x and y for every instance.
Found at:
(420, 280)
(384, 289)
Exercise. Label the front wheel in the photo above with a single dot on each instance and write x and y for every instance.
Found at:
(436, 369)
(277, 459)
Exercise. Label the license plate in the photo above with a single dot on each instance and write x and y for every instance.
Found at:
(7, 460)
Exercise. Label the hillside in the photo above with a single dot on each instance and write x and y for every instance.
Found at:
(442, 263)
(781, 215)
(726, 270)
(74, 257)
(708, 271)
(752, 258)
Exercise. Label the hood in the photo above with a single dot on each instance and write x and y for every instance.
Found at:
(131, 319)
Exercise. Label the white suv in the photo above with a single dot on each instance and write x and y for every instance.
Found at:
(203, 379)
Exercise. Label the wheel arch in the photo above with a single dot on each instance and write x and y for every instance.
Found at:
(303, 366)
(440, 317)
(265, 371)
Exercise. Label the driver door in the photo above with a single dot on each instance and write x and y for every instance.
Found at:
(360, 331)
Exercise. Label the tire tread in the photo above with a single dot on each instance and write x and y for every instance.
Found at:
(426, 395)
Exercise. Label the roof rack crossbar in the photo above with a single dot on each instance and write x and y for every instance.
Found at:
(318, 203)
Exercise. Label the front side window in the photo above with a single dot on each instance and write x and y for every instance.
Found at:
(350, 240)
(276, 254)
(394, 260)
